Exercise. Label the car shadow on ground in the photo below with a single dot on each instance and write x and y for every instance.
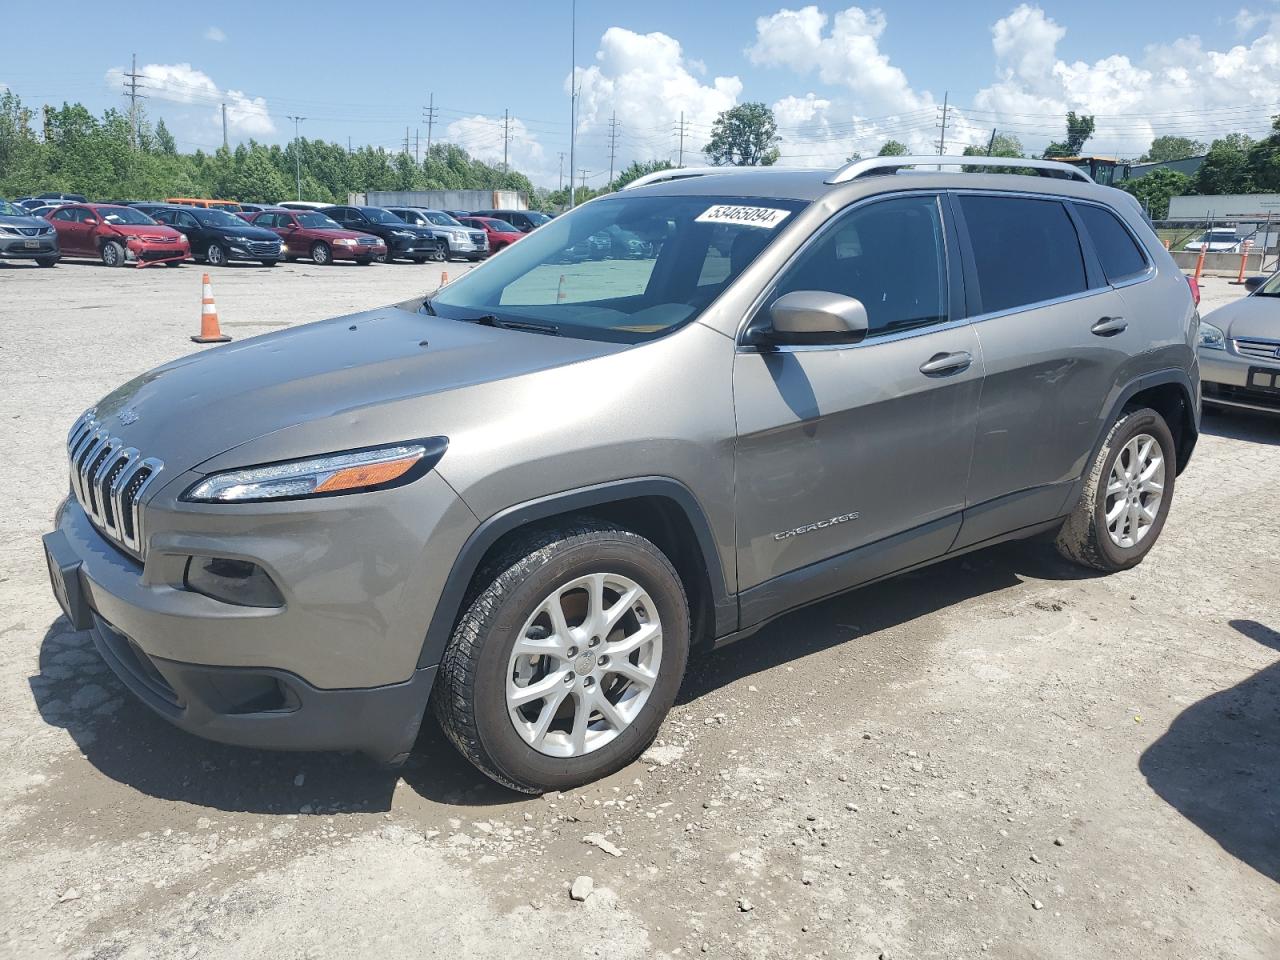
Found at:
(125, 741)
(1218, 764)
(1241, 425)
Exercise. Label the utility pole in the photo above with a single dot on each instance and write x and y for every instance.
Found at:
(506, 139)
(131, 87)
(991, 144)
(417, 157)
(681, 129)
(573, 92)
(429, 115)
(297, 154)
(406, 141)
(613, 142)
(225, 145)
(942, 139)
(583, 173)
(348, 145)
(561, 187)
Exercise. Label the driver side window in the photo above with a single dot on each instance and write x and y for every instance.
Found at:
(889, 254)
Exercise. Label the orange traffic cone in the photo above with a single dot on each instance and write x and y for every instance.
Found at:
(560, 296)
(210, 332)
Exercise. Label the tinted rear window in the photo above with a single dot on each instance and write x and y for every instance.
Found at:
(1120, 254)
(1026, 250)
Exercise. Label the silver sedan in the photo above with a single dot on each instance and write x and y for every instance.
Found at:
(1240, 351)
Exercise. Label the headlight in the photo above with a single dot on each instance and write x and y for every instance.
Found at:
(1211, 337)
(353, 471)
(344, 242)
(9, 231)
(241, 240)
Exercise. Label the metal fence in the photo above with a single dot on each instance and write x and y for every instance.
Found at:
(443, 199)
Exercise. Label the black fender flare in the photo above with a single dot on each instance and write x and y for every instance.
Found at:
(724, 604)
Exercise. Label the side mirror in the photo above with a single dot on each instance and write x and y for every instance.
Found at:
(91, 220)
(1253, 283)
(812, 317)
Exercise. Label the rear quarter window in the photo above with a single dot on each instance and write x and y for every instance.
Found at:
(1119, 252)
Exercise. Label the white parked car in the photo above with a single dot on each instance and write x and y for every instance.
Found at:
(1222, 240)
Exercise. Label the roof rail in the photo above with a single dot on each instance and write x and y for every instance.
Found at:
(883, 165)
(681, 173)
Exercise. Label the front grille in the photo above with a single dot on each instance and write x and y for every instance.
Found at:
(477, 239)
(158, 239)
(1258, 349)
(108, 479)
(367, 241)
(264, 248)
(34, 231)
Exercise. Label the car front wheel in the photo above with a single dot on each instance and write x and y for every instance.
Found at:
(112, 254)
(320, 254)
(216, 256)
(566, 662)
(1126, 497)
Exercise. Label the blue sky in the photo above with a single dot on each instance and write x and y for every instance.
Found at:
(841, 77)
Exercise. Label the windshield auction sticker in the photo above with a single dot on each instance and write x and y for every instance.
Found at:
(765, 217)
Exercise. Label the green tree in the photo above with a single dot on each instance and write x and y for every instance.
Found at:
(638, 169)
(1155, 189)
(1079, 130)
(1172, 148)
(255, 179)
(1003, 145)
(164, 140)
(745, 135)
(1264, 160)
(1226, 166)
(893, 148)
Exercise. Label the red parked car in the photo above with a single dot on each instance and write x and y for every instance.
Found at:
(118, 235)
(308, 233)
(501, 234)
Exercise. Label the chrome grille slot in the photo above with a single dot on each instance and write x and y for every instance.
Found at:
(108, 480)
(1258, 349)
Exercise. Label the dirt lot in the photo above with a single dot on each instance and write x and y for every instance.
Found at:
(998, 757)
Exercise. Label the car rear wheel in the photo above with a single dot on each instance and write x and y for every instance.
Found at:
(113, 254)
(47, 261)
(320, 254)
(567, 659)
(1126, 496)
(441, 253)
(216, 255)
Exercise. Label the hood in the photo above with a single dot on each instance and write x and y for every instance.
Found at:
(246, 229)
(194, 408)
(338, 233)
(145, 230)
(1249, 317)
(27, 222)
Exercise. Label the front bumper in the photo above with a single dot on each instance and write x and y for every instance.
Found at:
(145, 255)
(28, 248)
(358, 252)
(1225, 380)
(412, 246)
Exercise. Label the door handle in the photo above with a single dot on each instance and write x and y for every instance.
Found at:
(942, 364)
(1109, 326)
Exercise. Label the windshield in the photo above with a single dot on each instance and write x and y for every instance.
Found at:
(1271, 288)
(217, 218)
(440, 219)
(537, 218)
(318, 221)
(378, 215)
(501, 226)
(7, 209)
(124, 215)
(624, 269)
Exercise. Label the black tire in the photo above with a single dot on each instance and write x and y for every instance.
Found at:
(441, 253)
(216, 255)
(268, 263)
(113, 254)
(173, 263)
(321, 255)
(47, 261)
(1084, 538)
(469, 698)
(364, 263)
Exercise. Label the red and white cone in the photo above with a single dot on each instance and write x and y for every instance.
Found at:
(210, 332)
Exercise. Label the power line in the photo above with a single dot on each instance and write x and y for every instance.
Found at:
(942, 138)
(131, 86)
(429, 113)
(506, 139)
(681, 129)
(297, 153)
(613, 142)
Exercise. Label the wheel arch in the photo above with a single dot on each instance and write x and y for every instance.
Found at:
(1171, 394)
(660, 509)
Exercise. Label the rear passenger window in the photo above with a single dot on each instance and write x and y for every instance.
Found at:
(890, 254)
(1026, 250)
(1120, 254)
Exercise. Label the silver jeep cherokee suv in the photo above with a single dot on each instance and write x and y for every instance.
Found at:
(527, 499)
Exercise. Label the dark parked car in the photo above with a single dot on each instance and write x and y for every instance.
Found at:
(458, 240)
(522, 220)
(500, 233)
(24, 237)
(309, 233)
(404, 240)
(117, 235)
(218, 237)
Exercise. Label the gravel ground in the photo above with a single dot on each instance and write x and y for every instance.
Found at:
(998, 757)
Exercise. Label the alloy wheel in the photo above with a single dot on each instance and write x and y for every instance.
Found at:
(584, 665)
(1135, 489)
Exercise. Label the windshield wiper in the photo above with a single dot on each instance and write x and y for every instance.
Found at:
(489, 320)
(426, 305)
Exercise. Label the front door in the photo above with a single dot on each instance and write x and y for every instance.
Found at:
(853, 460)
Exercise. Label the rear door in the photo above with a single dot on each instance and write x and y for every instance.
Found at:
(1053, 336)
(70, 232)
(852, 460)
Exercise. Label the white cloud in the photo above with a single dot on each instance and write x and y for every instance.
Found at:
(482, 137)
(182, 83)
(648, 81)
(215, 34)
